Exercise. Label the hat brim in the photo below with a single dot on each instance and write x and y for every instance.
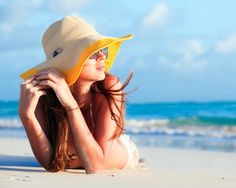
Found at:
(70, 62)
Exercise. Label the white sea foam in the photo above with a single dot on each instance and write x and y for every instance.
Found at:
(155, 127)
(10, 123)
(162, 127)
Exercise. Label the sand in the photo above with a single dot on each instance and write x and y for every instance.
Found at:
(162, 168)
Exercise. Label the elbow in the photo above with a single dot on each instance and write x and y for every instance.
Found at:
(93, 170)
(95, 167)
(44, 165)
(24, 117)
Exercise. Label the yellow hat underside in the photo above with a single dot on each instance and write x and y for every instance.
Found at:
(72, 74)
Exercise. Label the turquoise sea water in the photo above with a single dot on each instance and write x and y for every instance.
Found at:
(208, 126)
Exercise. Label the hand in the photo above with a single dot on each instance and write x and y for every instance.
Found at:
(55, 80)
(30, 92)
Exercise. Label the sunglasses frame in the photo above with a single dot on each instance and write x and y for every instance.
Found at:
(96, 54)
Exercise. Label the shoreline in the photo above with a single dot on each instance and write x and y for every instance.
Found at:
(161, 168)
(160, 140)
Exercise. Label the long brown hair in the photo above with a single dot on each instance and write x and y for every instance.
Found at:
(58, 124)
(57, 132)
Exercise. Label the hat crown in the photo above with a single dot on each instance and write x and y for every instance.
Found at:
(68, 43)
(64, 31)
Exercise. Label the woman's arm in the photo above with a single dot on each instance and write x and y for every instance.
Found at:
(93, 151)
(98, 151)
(31, 114)
(88, 150)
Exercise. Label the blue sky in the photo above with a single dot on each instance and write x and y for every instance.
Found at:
(181, 50)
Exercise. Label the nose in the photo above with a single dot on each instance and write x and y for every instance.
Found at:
(101, 56)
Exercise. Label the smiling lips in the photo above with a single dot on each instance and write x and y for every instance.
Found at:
(101, 68)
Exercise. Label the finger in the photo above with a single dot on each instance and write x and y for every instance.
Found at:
(52, 72)
(30, 79)
(33, 83)
(42, 92)
(47, 76)
(37, 89)
(39, 93)
(30, 84)
(41, 87)
(47, 83)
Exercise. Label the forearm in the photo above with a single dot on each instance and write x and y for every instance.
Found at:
(88, 150)
(40, 145)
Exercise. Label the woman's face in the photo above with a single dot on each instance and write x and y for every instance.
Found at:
(94, 67)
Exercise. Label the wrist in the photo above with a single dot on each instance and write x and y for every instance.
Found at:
(26, 116)
(73, 106)
(72, 109)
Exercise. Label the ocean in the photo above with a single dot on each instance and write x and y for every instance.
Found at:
(189, 125)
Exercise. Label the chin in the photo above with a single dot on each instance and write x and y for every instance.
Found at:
(101, 76)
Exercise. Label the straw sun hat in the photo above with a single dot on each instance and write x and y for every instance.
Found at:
(69, 42)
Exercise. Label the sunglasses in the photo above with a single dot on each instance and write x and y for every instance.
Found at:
(104, 51)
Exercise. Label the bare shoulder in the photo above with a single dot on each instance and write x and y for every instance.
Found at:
(105, 107)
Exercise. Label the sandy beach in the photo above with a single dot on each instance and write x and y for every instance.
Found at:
(161, 168)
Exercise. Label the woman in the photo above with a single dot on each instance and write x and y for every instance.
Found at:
(72, 109)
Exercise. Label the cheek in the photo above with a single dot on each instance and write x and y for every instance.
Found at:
(86, 73)
(91, 73)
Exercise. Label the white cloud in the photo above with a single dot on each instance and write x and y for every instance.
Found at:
(192, 46)
(189, 49)
(157, 16)
(27, 19)
(184, 64)
(16, 13)
(5, 28)
(140, 63)
(227, 45)
(66, 5)
(185, 57)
